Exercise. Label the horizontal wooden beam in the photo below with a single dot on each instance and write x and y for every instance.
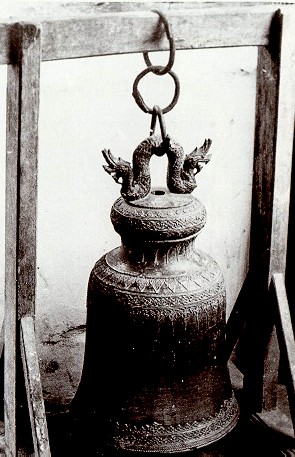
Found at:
(96, 34)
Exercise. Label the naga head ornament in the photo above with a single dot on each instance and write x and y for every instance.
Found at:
(135, 179)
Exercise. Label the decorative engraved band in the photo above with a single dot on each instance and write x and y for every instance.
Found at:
(180, 438)
(160, 223)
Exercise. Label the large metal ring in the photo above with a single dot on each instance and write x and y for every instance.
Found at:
(138, 98)
(167, 68)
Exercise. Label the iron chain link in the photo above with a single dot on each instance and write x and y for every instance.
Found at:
(156, 111)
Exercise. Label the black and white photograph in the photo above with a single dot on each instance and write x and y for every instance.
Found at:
(147, 200)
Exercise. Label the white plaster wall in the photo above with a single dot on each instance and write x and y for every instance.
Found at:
(86, 105)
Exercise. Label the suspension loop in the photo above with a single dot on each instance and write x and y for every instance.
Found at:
(158, 114)
(138, 98)
(161, 121)
(153, 121)
(159, 70)
(156, 111)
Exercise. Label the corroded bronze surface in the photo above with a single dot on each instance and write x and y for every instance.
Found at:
(156, 317)
(136, 180)
(178, 438)
(160, 216)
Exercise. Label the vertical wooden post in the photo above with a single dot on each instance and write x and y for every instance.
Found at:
(282, 182)
(11, 215)
(251, 349)
(270, 205)
(21, 202)
(284, 148)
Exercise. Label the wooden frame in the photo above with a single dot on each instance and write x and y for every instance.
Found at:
(53, 32)
(21, 208)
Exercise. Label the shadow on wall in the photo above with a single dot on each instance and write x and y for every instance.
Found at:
(86, 105)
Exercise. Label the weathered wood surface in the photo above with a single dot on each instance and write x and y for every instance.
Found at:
(268, 67)
(284, 147)
(258, 350)
(286, 336)
(271, 193)
(21, 201)
(94, 32)
(262, 375)
(80, 9)
(282, 185)
(28, 167)
(34, 388)
(2, 439)
(257, 325)
(2, 338)
(11, 217)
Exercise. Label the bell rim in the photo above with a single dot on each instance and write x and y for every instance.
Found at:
(230, 408)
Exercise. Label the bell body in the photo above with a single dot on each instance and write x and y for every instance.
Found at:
(154, 359)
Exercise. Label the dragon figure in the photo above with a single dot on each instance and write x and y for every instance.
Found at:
(136, 179)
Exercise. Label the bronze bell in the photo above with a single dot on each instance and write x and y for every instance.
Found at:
(154, 366)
